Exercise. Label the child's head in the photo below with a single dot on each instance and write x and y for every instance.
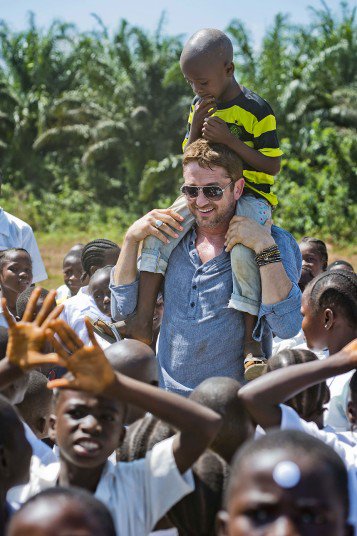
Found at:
(73, 270)
(207, 63)
(136, 360)
(15, 450)
(310, 403)
(352, 402)
(23, 299)
(286, 482)
(314, 255)
(15, 391)
(36, 406)
(58, 511)
(220, 395)
(329, 309)
(97, 254)
(340, 264)
(86, 428)
(99, 289)
(15, 270)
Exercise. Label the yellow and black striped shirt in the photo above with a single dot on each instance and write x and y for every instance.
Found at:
(251, 119)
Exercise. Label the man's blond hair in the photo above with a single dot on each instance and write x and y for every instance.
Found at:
(208, 154)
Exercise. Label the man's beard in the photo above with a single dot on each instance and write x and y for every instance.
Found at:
(220, 219)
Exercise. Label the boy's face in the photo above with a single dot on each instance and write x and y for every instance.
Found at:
(88, 428)
(16, 271)
(260, 506)
(208, 78)
(72, 272)
(100, 292)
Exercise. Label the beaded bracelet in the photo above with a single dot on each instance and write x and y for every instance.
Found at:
(268, 256)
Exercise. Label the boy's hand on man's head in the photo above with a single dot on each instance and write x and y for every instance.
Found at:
(90, 368)
(27, 337)
(216, 130)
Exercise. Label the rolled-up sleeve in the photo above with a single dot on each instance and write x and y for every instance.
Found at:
(124, 298)
(284, 317)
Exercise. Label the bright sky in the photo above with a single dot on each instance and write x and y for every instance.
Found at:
(182, 16)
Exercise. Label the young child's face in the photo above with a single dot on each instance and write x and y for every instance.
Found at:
(311, 259)
(100, 292)
(312, 325)
(16, 271)
(87, 428)
(72, 271)
(263, 502)
(207, 79)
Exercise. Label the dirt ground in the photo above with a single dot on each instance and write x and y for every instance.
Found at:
(53, 249)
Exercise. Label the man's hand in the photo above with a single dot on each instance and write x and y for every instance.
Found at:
(90, 368)
(147, 226)
(203, 109)
(249, 233)
(216, 130)
(26, 338)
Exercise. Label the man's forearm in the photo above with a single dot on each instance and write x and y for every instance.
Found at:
(126, 268)
(253, 157)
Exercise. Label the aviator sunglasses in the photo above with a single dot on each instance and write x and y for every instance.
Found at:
(210, 192)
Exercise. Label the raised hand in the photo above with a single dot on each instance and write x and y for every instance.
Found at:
(27, 337)
(148, 225)
(90, 368)
(204, 108)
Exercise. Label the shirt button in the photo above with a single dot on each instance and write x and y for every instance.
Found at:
(194, 287)
(192, 304)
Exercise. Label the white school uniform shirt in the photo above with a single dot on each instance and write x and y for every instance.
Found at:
(78, 307)
(344, 444)
(137, 493)
(15, 233)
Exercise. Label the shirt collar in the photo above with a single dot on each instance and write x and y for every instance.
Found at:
(4, 223)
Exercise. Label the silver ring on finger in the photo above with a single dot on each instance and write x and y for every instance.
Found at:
(158, 223)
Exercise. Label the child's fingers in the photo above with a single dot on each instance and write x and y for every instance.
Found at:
(46, 308)
(31, 305)
(9, 318)
(90, 330)
(60, 383)
(61, 351)
(53, 315)
(230, 244)
(66, 334)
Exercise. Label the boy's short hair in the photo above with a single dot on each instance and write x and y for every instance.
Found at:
(208, 154)
(94, 511)
(23, 299)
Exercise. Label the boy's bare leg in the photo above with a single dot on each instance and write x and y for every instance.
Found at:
(254, 361)
(140, 326)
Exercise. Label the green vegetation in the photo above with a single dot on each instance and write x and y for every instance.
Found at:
(91, 123)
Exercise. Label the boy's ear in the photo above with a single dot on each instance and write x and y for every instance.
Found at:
(41, 425)
(52, 427)
(222, 523)
(329, 319)
(230, 69)
(351, 413)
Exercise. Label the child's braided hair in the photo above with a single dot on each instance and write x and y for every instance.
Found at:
(334, 290)
(94, 254)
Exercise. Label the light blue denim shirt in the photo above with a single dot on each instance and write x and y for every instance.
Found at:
(200, 335)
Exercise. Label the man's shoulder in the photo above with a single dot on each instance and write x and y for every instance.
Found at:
(285, 239)
(15, 222)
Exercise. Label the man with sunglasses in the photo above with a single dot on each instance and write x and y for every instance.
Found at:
(200, 335)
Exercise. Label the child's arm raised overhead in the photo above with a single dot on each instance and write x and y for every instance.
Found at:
(263, 395)
(92, 372)
(27, 337)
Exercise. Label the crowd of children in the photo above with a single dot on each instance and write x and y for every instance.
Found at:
(89, 444)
